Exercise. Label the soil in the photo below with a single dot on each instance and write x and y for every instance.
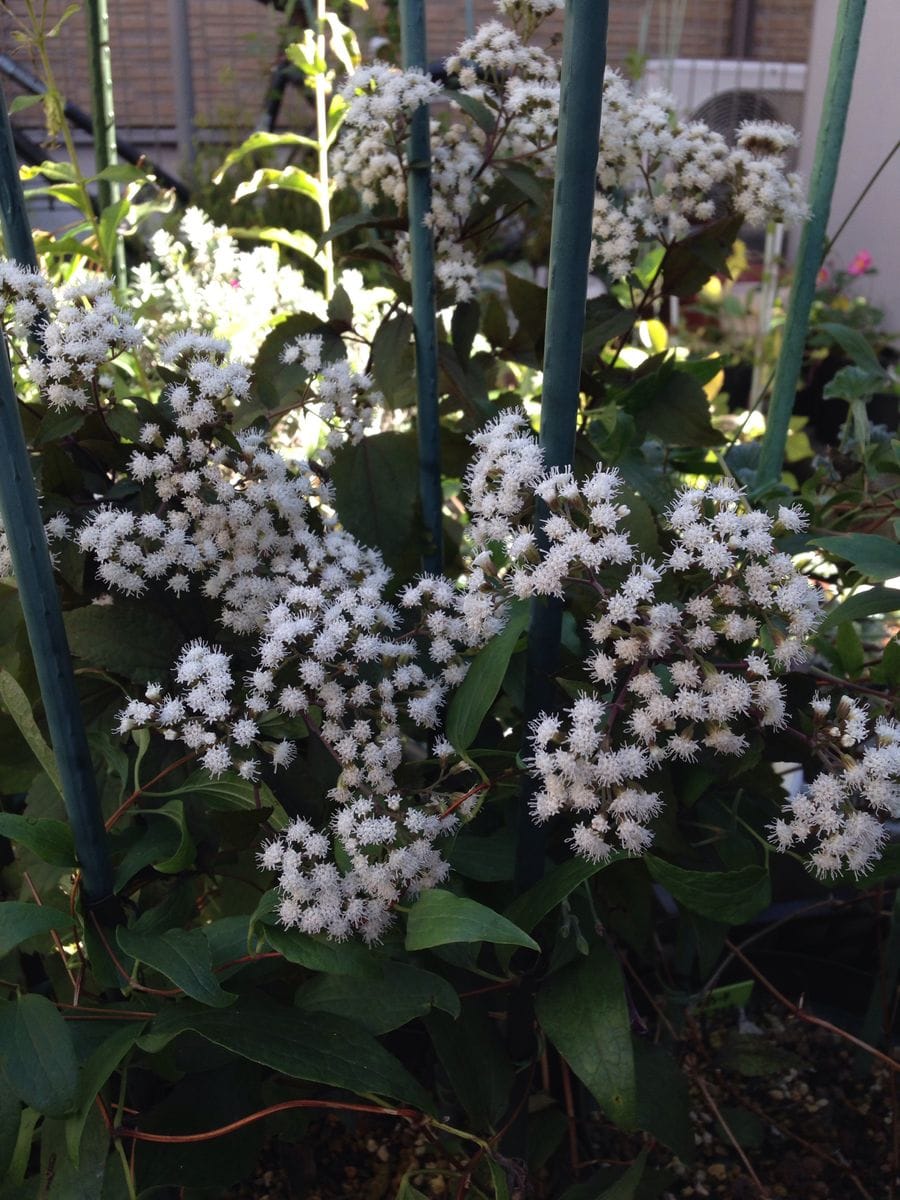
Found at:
(808, 1116)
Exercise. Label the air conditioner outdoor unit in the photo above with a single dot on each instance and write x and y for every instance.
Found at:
(725, 92)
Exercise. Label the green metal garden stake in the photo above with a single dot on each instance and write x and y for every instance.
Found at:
(421, 245)
(583, 64)
(104, 119)
(812, 242)
(38, 596)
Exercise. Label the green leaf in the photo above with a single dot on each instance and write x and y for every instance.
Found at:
(489, 859)
(694, 259)
(110, 220)
(874, 601)
(342, 225)
(37, 1055)
(183, 956)
(532, 906)
(854, 383)
(50, 840)
(852, 342)
(56, 425)
(293, 239)
(10, 1120)
(317, 1047)
(124, 638)
(323, 954)
(664, 1101)
(671, 405)
(728, 897)
(394, 361)
(288, 179)
(483, 680)
(94, 1074)
(376, 486)
(257, 142)
(876, 557)
(20, 921)
(22, 102)
(584, 1013)
(439, 918)
(229, 793)
(475, 1058)
(401, 995)
(18, 706)
(850, 650)
(625, 1187)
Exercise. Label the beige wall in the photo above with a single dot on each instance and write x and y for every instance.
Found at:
(873, 127)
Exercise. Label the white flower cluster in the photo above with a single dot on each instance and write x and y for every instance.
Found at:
(658, 177)
(344, 399)
(256, 534)
(667, 683)
(203, 281)
(26, 293)
(56, 529)
(81, 330)
(842, 807)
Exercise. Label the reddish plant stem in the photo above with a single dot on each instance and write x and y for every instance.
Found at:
(136, 795)
(810, 1019)
(481, 787)
(714, 1109)
(208, 1135)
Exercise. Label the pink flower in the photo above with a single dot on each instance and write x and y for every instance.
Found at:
(861, 263)
(823, 276)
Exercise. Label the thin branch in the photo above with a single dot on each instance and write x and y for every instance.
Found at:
(714, 1109)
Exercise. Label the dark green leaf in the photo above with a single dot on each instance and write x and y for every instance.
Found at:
(584, 1012)
(20, 921)
(853, 383)
(850, 650)
(323, 954)
(183, 956)
(532, 906)
(484, 117)
(476, 1061)
(37, 1055)
(876, 557)
(852, 342)
(344, 224)
(483, 680)
(625, 1188)
(874, 601)
(439, 918)
(94, 1074)
(754, 1055)
(48, 839)
(529, 304)
(671, 405)
(340, 307)
(463, 327)
(81, 1179)
(489, 859)
(317, 1047)
(394, 361)
(19, 708)
(728, 897)
(124, 638)
(664, 1101)
(401, 995)
(376, 486)
(690, 262)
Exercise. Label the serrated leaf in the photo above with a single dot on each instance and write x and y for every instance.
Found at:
(18, 706)
(317, 1047)
(125, 639)
(376, 486)
(398, 997)
(183, 956)
(584, 1012)
(20, 921)
(439, 918)
(483, 680)
(37, 1055)
(728, 897)
(874, 556)
(393, 360)
(49, 839)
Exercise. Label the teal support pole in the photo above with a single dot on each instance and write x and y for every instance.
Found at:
(16, 228)
(583, 64)
(38, 596)
(421, 245)
(104, 119)
(844, 53)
